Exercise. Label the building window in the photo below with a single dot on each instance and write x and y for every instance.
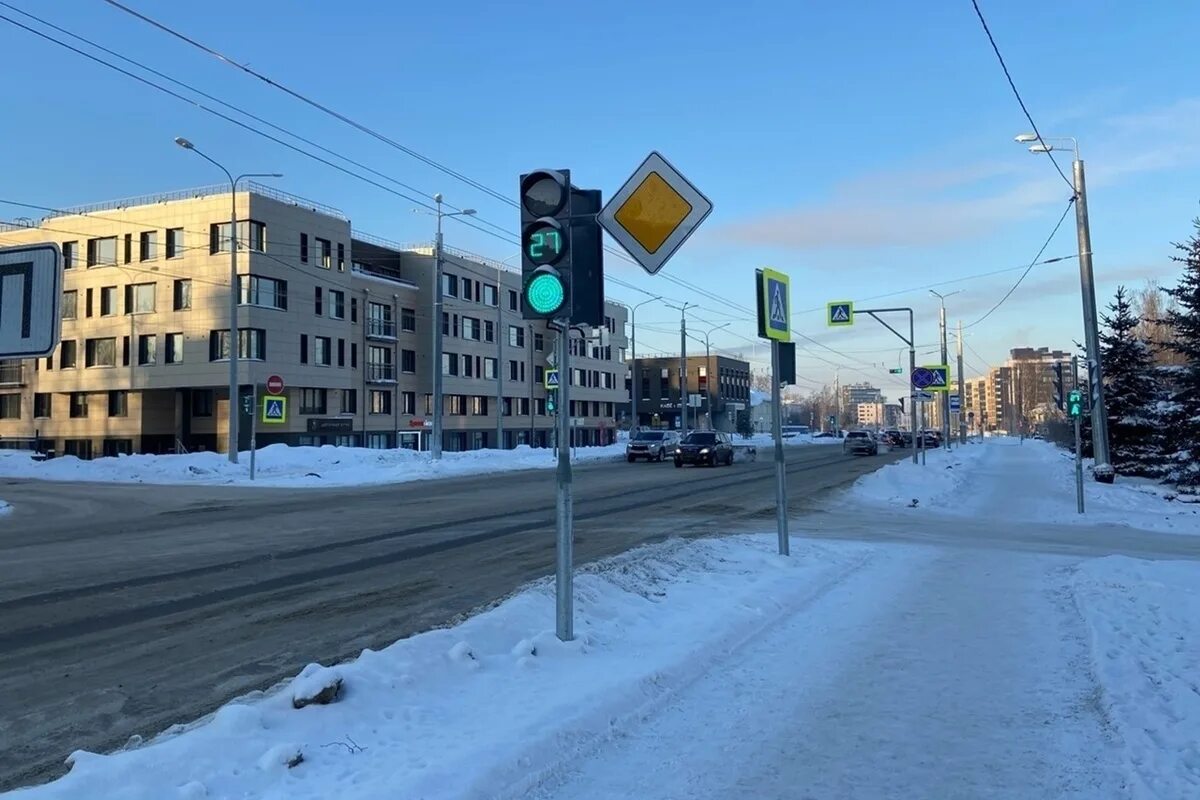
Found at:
(118, 403)
(182, 294)
(349, 401)
(174, 348)
(322, 351)
(408, 361)
(304, 248)
(341, 353)
(251, 235)
(456, 404)
(539, 375)
(70, 304)
(341, 257)
(539, 342)
(468, 366)
(379, 364)
(408, 402)
(304, 348)
(408, 320)
(70, 251)
(312, 401)
(380, 401)
(139, 298)
(325, 253)
(128, 248)
(100, 353)
(489, 368)
(68, 354)
(471, 329)
(254, 290)
(354, 309)
(449, 363)
(337, 304)
(252, 344)
(148, 246)
(108, 301)
(516, 336)
(449, 285)
(147, 350)
(489, 331)
(202, 402)
(354, 355)
(318, 305)
(79, 405)
(42, 406)
(467, 288)
(516, 370)
(102, 252)
(10, 406)
(479, 406)
(490, 295)
(174, 242)
(512, 300)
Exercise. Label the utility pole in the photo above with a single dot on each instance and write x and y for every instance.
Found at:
(682, 365)
(837, 399)
(1103, 468)
(945, 396)
(635, 384)
(962, 400)
(565, 550)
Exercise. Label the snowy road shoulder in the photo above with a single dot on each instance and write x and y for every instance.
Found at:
(1144, 620)
(495, 701)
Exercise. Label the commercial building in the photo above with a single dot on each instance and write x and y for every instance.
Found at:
(343, 318)
(717, 387)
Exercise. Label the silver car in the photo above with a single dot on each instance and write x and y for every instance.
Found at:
(652, 445)
(860, 443)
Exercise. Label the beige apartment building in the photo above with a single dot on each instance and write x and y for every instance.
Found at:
(342, 318)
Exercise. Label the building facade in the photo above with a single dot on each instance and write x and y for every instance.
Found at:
(343, 319)
(717, 387)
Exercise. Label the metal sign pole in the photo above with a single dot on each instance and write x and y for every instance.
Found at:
(781, 509)
(253, 426)
(564, 606)
(1078, 465)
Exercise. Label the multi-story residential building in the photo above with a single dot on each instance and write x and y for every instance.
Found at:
(345, 321)
(717, 388)
(871, 415)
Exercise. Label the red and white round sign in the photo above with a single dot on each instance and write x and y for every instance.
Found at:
(275, 385)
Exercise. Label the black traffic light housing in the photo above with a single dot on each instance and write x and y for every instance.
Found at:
(546, 244)
(787, 364)
(1059, 398)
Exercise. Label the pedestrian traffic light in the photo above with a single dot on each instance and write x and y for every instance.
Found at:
(551, 400)
(1058, 385)
(546, 244)
(1075, 403)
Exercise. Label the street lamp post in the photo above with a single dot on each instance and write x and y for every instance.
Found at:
(234, 330)
(707, 364)
(1103, 469)
(945, 355)
(682, 365)
(635, 384)
(435, 443)
(500, 357)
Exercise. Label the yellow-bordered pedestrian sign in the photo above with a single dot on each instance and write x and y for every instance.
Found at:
(840, 312)
(274, 410)
(551, 379)
(932, 378)
(774, 305)
(654, 212)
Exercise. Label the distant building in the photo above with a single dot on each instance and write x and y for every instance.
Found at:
(717, 387)
(870, 415)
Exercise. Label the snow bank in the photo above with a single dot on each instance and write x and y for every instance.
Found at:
(926, 486)
(497, 701)
(5, 508)
(281, 465)
(1144, 619)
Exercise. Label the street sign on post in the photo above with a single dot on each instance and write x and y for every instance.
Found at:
(274, 385)
(654, 213)
(551, 379)
(274, 410)
(30, 300)
(774, 307)
(932, 378)
(840, 312)
(954, 403)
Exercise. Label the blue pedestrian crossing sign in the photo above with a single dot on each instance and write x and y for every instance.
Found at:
(774, 305)
(932, 378)
(551, 379)
(274, 410)
(841, 312)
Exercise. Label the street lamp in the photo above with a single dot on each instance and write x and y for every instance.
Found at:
(435, 445)
(635, 383)
(500, 358)
(707, 363)
(234, 331)
(682, 364)
(946, 394)
(1087, 286)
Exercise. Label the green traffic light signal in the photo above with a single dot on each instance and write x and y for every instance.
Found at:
(544, 294)
(1075, 403)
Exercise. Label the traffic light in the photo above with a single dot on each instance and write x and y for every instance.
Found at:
(546, 244)
(1058, 385)
(787, 364)
(1075, 403)
(551, 400)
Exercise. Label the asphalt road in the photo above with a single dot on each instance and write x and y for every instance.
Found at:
(126, 609)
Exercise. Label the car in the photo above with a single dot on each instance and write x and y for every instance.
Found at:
(931, 440)
(860, 443)
(824, 435)
(705, 447)
(652, 445)
(893, 438)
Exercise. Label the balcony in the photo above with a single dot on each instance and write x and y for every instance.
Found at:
(381, 373)
(12, 373)
(381, 329)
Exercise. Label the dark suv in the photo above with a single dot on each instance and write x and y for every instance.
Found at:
(705, 447)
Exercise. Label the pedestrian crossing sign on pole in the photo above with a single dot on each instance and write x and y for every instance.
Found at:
(551, 379)
(274, 410)
(841, 312)
(774, 305)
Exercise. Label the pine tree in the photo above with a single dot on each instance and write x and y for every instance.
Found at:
(1183, 421)
(1131, 393)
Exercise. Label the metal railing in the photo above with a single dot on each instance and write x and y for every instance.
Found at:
(381, 373)
(12, 373)
(381, 328)
(196, 192)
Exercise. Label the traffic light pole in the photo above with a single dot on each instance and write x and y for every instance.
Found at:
(1078, 442)
(912, 365)
(563, 579)
(781, 507)
(962, 400)
(1103, 468)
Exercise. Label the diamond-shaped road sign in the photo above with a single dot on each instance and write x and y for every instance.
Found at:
(30, 300)
(840, 312)
(654, 212)
(274, 410)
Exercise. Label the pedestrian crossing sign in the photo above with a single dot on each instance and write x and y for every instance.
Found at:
(841, 312)
(551, 379)
(274, 410)
(774, 306)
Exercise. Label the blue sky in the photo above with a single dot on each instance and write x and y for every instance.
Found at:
(863, 148)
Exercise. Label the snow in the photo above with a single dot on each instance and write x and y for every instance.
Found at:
(1144, 618)
(283, 466)
(757, 398)
(1029, 481)
(5, 508)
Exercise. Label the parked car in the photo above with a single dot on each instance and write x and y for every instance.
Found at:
(824, 435)
(931, 439)
(652, 445)
(860, 443)
(705, 447)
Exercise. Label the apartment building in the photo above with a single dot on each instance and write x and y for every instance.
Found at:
(143, 362)
(717, 387)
